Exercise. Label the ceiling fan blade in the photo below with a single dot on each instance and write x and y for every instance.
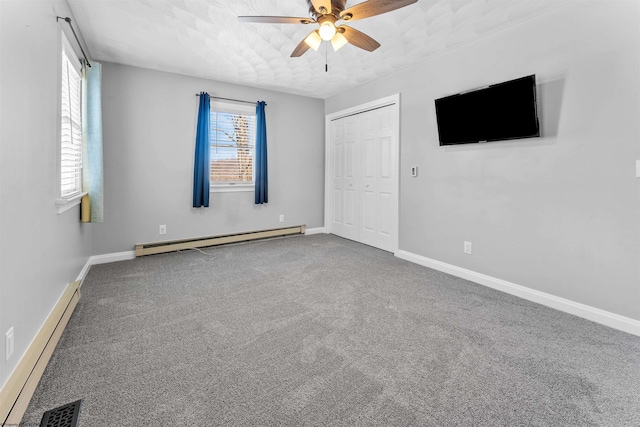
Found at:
(274, 20)
(300, 50)
(372, 8)
(319, 5)
(303, 46)
(358, 38)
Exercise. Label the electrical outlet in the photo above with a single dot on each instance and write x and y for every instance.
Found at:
(467, 248)
(414, 171)
(8, 343)
(281, 217)
(163, 229)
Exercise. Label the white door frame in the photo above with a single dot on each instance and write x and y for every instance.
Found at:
(378, 103)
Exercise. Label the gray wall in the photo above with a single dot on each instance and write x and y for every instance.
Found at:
(40, 251)
(149, 137)
(560, 213)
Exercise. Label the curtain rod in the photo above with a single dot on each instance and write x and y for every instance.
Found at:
(68, 21)
(230, 99)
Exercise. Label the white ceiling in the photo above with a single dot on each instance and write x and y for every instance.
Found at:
(203, 38)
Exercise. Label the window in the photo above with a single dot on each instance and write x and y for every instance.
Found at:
(70, 150)
(232, 150)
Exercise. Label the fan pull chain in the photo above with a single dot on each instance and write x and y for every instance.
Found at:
(326, 62)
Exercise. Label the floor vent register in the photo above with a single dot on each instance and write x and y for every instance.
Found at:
(63, 416)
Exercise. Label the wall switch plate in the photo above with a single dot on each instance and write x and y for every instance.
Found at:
(467, 248)
(281, 217)
(414, 171)
(163, 229)
(8, 343)
(637, 168)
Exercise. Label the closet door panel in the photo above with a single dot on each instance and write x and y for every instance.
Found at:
(351, 203)
(369, 179)
(387, 185)
(337, 177)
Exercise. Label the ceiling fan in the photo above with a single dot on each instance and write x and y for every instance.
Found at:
(326, 13)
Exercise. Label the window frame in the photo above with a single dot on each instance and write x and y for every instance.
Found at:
(64, 203)
(248, 110)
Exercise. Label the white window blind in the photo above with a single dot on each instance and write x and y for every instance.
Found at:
(232, 138)
(71, 128)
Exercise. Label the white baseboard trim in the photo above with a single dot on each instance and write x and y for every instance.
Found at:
(84, 271)
(104, 259)
(318, 230)
(114, 257)
(597, 315)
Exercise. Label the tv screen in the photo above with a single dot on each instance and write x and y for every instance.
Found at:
(492, 113)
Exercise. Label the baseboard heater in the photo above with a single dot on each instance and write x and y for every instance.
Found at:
(201, 242)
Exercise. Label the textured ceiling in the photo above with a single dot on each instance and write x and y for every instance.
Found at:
(203, 38)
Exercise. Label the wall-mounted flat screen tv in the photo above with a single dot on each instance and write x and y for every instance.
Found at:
(492, 113)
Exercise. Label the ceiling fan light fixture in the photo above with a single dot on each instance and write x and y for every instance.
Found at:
(338, 41)
(326, 13)
(313, 40)
(327, 30)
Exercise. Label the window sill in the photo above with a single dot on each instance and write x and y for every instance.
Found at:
(231, 188)
(63, 205)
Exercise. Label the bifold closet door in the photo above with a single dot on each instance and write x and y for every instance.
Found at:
(379, 177)
(365, 177)
(344, 196)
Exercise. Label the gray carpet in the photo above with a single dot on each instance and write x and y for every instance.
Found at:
(317, 330)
